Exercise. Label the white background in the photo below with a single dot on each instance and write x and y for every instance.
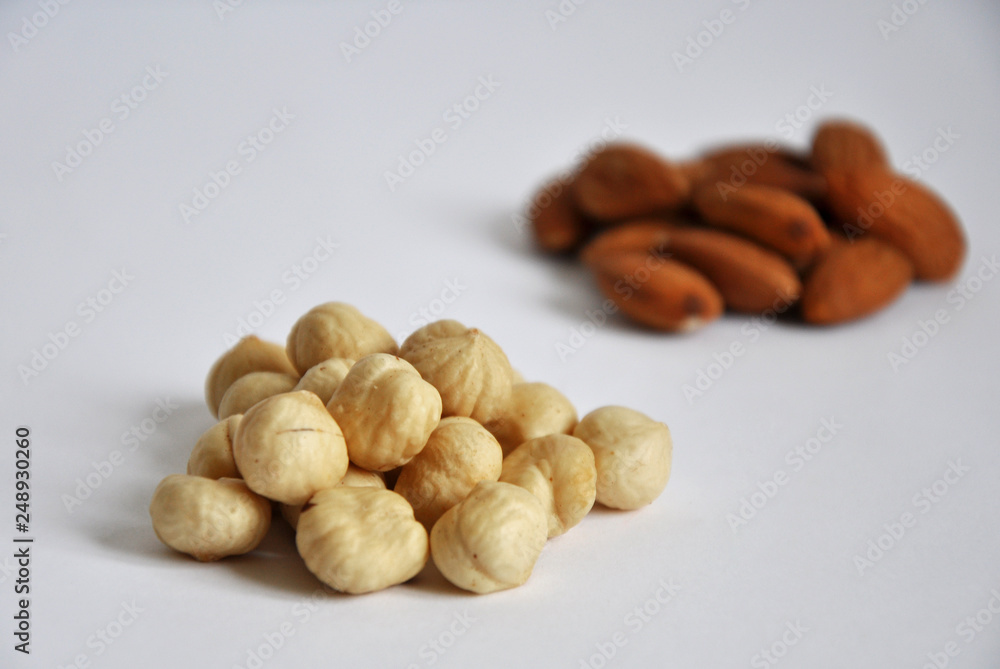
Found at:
(451, 221)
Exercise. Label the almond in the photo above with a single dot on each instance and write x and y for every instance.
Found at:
(658, 293)
(749, 278)
(854, 279)
(903, 213)
(627, 181)
(764, 165)
(846, 145)
(557, 226)
(774, 217)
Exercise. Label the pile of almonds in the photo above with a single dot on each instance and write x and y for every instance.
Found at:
(834, 235)
(382, 456)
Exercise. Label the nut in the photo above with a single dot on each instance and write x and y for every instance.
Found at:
(250, 354)
(846, 145)
(470, 371)
(459, 454)
(632, 453)
(559, 470)
(656, 292)
(212, 456)
(903, 213)
(854, 279)
(322, 379)
(491, 540)
(288, 448)
(208, 518)
(557, 225)
(359, 540)
(535, 410)
(335, 330)
(764, 164)
(356, 477)
(252, 388)
(386, 410)
(776, 218)
(749, 277)
(625, 181)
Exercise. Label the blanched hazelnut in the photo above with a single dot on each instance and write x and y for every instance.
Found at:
(250, 354)
(360, 540)
(323, 379)
(208, 518)
(212, 456)
(288, 448)
(559, 470)
(459, 454)
(335, 330)
(386, 411)
(252, 388)
(535, 410)
(491, 540)
(470, 371)
(632, 453)
(356, 477)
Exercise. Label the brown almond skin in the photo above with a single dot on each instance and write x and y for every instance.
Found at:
(903, 213)
(846, 145)
(627, 181)
(853, 280)
(776, 218)
(658, 293)
(555, 223)
(764, 165)
(749, 277)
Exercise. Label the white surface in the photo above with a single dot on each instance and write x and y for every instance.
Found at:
(451, 221)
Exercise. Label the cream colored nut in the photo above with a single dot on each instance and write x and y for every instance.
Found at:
(288, 448)
(632, 453)
(208, 518)
(250, 354)
(356, 477)
(470, 371)
(459, 454)
(212, 456)
(360, 540)
(335, 330)
(323, 379)
(491, 540)
(252, 388)
(535, 410)
(559, 470)
(386, 411)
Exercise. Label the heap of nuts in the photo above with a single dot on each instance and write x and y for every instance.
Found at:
(383, 456)
(834, 235)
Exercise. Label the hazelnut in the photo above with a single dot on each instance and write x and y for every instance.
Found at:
(335, 330)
